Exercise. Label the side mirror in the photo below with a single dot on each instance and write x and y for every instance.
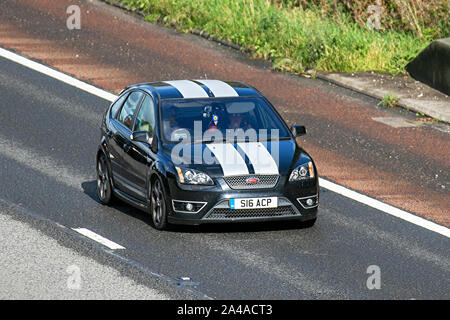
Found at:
(141, 136)
(298, 130)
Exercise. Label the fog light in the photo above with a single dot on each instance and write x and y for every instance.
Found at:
(309, 202)
(188, 206)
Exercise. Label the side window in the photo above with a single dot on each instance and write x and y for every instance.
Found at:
(128, 109)
(116, 106)
(145, 120)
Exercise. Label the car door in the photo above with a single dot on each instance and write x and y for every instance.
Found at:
(111, 131)
(120, 142)
(139, 156)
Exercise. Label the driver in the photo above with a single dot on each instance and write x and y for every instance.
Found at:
(238, 121)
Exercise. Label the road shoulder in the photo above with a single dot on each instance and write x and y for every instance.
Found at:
(412, 95)
(41, 260)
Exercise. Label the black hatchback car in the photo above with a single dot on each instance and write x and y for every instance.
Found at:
(204, 151)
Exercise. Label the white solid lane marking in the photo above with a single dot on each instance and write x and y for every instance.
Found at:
(219, 88)
(48, 99)
(98, 238)
(324, 183)
(260, 157)
(188, 89)
(57, 75)
(229, 159)
(381, 206)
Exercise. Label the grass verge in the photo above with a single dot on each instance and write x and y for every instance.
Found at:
(293, 38)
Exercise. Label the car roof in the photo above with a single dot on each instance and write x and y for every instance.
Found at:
(204, 88)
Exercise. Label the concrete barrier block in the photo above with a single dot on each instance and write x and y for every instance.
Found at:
(432, 65)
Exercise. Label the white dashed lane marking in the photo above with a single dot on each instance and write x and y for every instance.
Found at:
(98, 238)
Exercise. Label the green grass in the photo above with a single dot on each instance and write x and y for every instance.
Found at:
(389, 101)
(294, 39)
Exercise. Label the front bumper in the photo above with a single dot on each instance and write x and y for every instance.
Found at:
(291, 202)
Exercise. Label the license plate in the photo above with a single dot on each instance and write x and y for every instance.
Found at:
(253, 203)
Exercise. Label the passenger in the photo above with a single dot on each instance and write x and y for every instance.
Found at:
(170, 124)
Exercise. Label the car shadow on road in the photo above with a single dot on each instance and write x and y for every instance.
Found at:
(240, 227)
(90, 189)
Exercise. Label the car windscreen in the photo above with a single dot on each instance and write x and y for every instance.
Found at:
(205, 120)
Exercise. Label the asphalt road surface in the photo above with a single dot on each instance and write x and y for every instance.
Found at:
(48, 138)
(349, 136)
(36, 266)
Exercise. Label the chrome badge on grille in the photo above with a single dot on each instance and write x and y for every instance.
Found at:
(252, 180)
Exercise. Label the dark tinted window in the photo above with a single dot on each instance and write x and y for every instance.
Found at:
(116, 106)
(221, 115)
(145, 120)
(129, 107)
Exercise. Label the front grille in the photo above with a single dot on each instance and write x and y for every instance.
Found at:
(222, 211)
(240, 182)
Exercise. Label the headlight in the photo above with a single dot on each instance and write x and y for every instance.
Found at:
(303, 172)
(191, 176)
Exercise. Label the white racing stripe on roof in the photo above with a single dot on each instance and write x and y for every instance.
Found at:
(229, 158)
(260, 157)
(219, 88)
(188, 89)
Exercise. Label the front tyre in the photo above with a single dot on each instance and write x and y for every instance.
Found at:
(104, 188)
(158, 208)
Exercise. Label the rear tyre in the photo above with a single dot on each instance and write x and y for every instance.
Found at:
(104, 188)
(158, 207)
